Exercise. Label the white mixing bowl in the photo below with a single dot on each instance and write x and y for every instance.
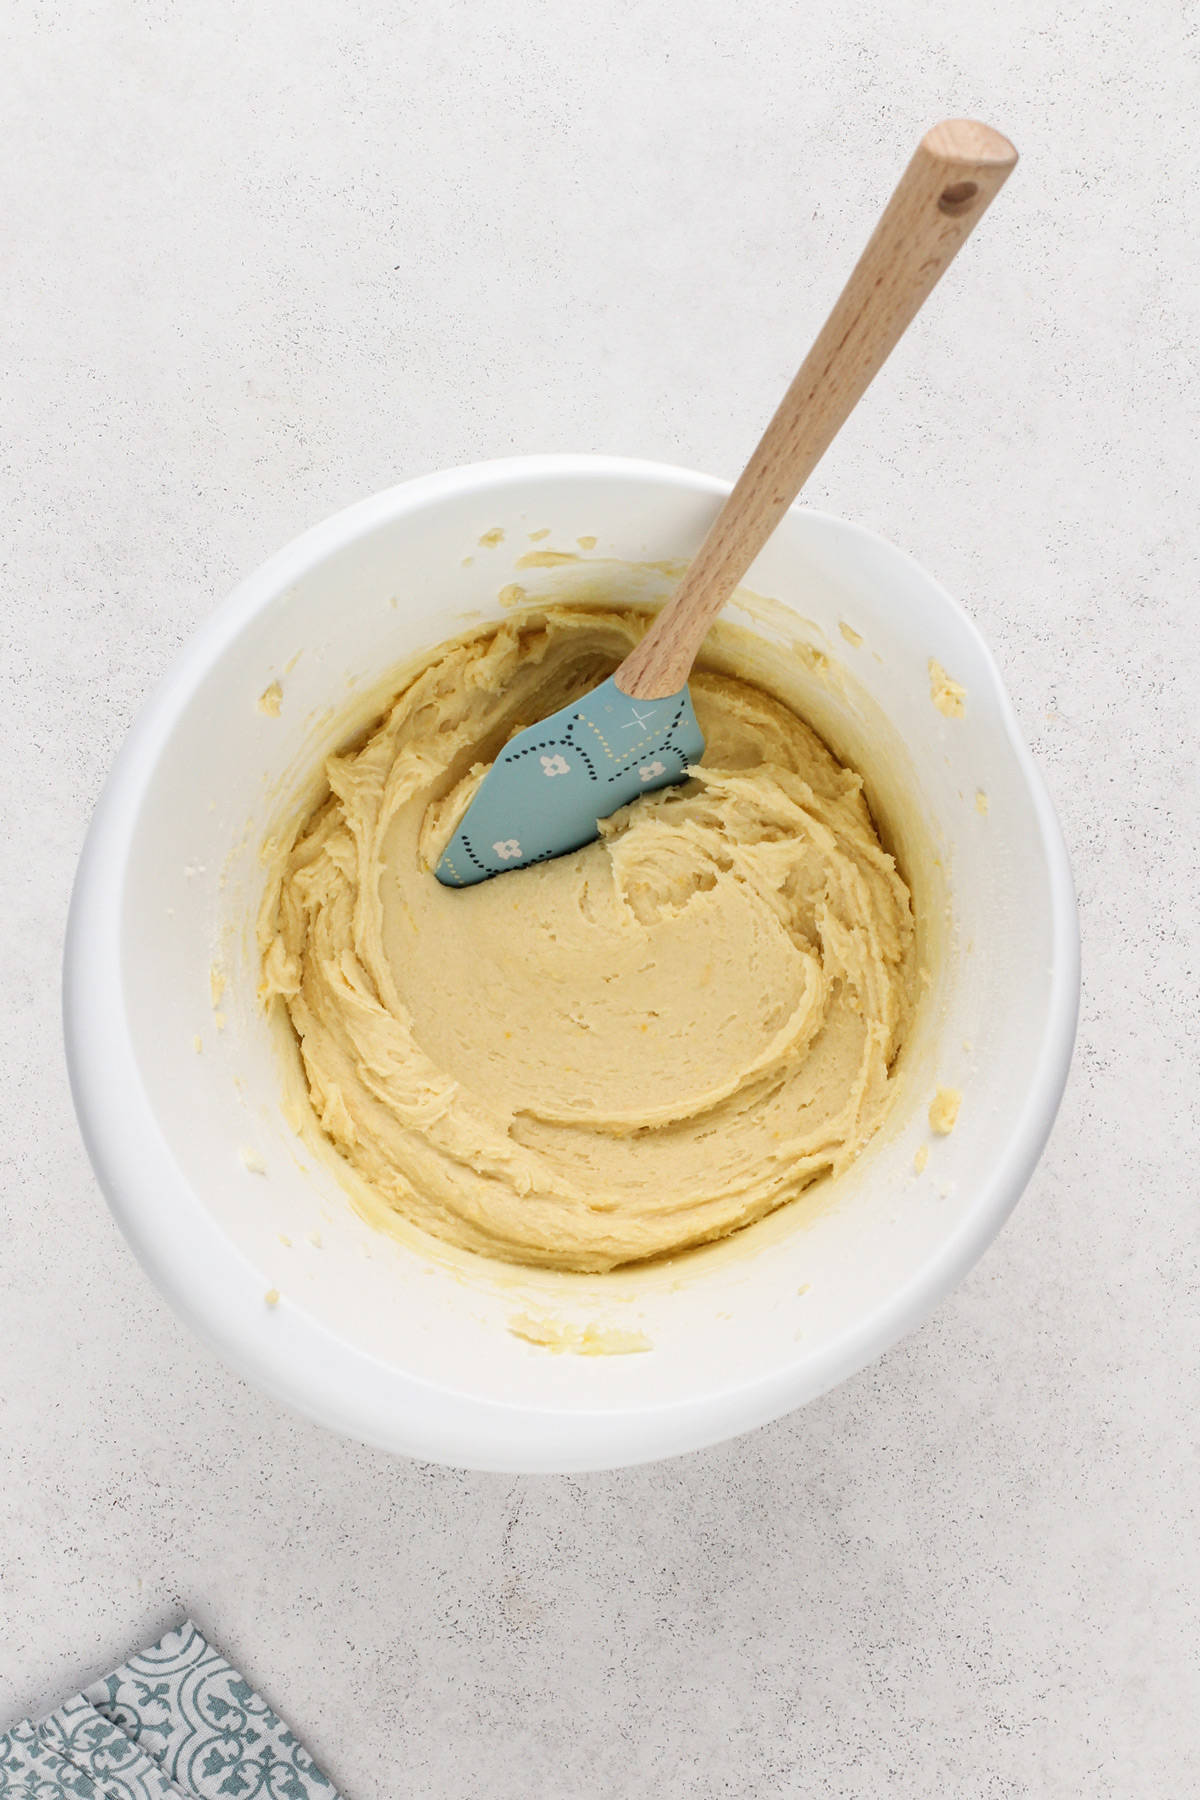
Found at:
(408, 1345)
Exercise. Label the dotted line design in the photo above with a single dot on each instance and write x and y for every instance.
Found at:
(579, 750)
(636, 749)
(566, 742)
(666, 747)
(513, 756)
(465, 841)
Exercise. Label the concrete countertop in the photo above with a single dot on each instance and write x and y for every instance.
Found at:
(264, 259)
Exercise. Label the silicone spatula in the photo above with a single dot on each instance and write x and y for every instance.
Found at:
(553, 783)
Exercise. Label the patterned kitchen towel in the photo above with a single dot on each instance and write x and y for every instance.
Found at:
(173, 1723)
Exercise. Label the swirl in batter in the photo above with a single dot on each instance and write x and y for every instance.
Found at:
(641, 1046)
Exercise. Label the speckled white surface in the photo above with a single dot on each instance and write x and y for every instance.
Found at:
(272, 257)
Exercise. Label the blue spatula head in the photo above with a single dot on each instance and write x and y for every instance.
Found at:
(551, 785)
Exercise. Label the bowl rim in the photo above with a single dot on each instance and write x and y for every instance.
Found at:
(299, 1360)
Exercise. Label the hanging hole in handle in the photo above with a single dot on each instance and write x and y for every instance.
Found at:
(956, 198)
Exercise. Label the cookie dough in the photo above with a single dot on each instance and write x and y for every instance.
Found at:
(950, 697)
(641, 1046)
(943, 1111)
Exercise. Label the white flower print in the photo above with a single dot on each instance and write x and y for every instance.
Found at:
(555, 765)
(648, 771)
(507, 849)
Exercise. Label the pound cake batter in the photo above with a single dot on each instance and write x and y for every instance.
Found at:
(638, 1047)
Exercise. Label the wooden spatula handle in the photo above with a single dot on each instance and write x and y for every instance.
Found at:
(957, 170)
